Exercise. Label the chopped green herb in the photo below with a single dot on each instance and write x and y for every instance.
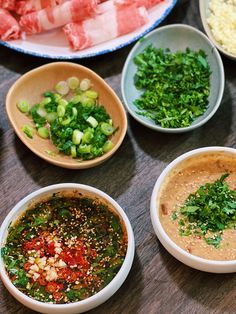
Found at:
(175, 85)
(211, 209)
(215, 240)
(174, 216)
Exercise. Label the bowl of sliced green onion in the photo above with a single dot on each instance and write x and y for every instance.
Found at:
(173, 79)
(67, 115)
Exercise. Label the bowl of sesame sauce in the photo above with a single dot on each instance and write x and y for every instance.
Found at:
(65, 248)
(193, 209)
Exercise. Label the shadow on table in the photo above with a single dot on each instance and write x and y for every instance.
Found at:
(112, 177)
(166, 147)
(209, 290)
(10, 305)
(104, 65)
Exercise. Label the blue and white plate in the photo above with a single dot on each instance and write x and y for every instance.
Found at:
(54, 45)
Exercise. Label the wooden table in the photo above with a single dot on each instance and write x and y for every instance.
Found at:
(157, 283)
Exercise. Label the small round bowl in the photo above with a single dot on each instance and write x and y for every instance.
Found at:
(34, 83)
(205, 13)
(176, 37)
(204, 264)
(107, 291)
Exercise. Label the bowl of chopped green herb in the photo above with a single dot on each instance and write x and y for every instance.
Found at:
(67, 115)
(193, 209)
(65, 248)
(173, 79)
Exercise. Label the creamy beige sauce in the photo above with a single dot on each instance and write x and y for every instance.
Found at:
(186, 178)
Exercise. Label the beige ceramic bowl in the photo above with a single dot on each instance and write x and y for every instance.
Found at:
(33, 84)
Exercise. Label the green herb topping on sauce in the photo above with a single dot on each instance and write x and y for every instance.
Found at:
(176, 86)
(65, 249)
(208, 211)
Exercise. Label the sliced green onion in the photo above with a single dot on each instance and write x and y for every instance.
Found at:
(62, 88)
(23, 106)
(43, 132)
(88, 136)
(57, 97)
(85, 84)
(107, 146)
(45, 101)
(84, 149)
(61, 111)
(51, 116)
(91, 94)
(86, 100)
(73, 82)
(76, 99)
(62, 102)
(28, 130)
(92, 121)
(73, 151)
(74, 112)
(106, 128)
(66, 121)
(77, 136)
(41, 112)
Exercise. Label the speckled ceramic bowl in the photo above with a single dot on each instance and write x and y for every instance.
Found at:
(204, 264)
(176, 37)
(107, 291)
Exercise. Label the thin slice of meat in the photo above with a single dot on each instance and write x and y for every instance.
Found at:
(104, 27)
(109, 5)
(25, 7)
(9, 27)
(8, 5)
(146, 3)
(50, 18)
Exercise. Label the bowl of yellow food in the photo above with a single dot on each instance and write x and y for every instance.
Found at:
(65, 248)
(66, 114)
(218, 20)
(193, 209)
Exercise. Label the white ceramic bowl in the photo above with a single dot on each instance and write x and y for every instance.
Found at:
(101, 296)
(179, 253)
(176, 37)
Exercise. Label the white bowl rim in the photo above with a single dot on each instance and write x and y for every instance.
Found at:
(116, 281)
(220, 93)
(155, 214)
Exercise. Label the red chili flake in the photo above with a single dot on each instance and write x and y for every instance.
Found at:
(64, 273)
(93, 253)
(42, 281)
(81, 261)
(27, 266)
(51, 287)
(57, 296)
(73, 277)
(51, 248)
(34, 244)
(60, 286)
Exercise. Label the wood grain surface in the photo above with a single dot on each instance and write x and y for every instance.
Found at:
(157, 283)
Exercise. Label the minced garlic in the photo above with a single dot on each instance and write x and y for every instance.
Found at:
(222, 22)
